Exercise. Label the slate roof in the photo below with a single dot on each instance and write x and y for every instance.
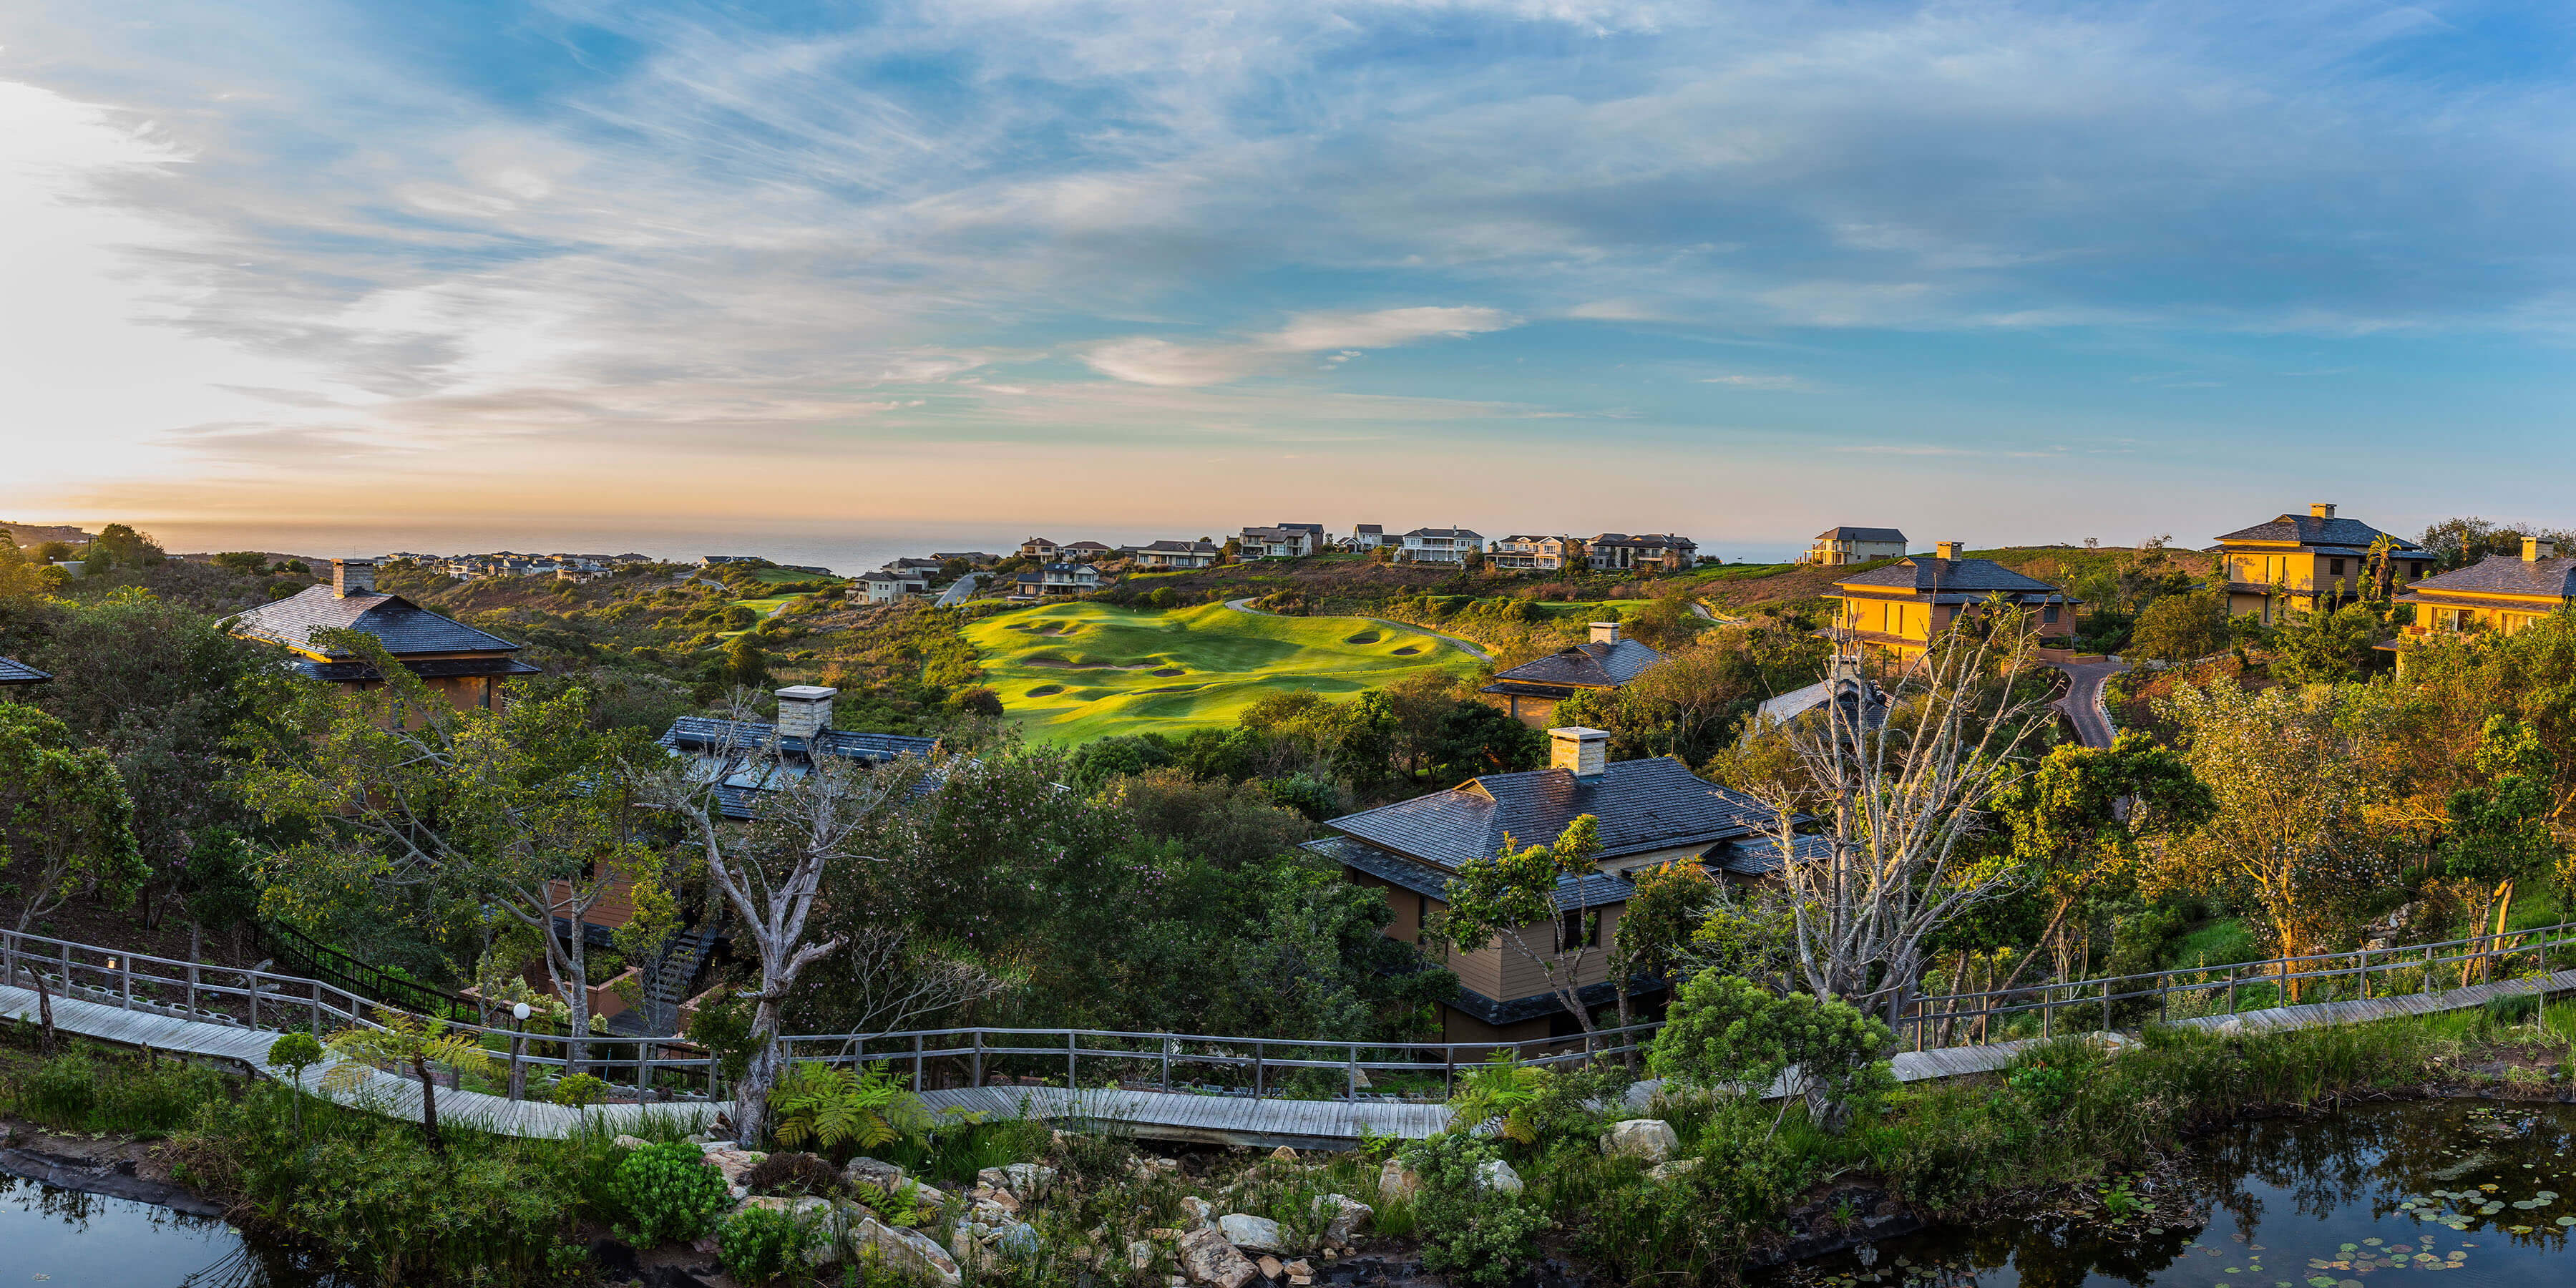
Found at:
(1278, 534)
(1445, 532)
(13, 671)
(2504, 575)
(1649, 804)
(405, 627)
(1861, 534)
(1586, 666)
(739, 754)
(1083, 545)
(1650, 540)
(1179, 548)
(1371, 529)
(1951, 576)
(2307, 529)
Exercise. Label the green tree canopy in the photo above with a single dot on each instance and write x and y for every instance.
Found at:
(66, 822)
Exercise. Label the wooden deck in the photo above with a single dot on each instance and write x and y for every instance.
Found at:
(1231, 1120)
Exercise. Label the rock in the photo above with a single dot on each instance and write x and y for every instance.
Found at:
(992, 1213)
(1270, 1267)
(1140, 1255)
(1396, 1182)
(1348, 1216)
(711, 1146)
(869, 1171)
(733, 1164)
(1160, 1234)
(1208, 1259)
(1670, 1169)
(909, 1252)
(1259, 1233)
(1299, 1267)
(993, 1177)
(1028, 1180)
(630, 1142)
(1284, 1154)
(1498, 1176)
(1020, 1240)
(1650, 1139)
(1202, 1213)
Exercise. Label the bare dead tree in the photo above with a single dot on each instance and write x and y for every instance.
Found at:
(807, 815)
(1903, 795)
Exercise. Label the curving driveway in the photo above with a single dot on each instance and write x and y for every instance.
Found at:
(1468, 647)
(2083, 701)
(958, 591)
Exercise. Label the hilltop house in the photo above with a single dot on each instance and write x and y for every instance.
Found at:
(1662, 552)
(1901, 608)
(1541, 553)
(1650, 812)
(1058, 579)
(2497, 594)
(466, 665)
(1835, 547)
(1085, 550)
(1531, 690)
(1177, 554)
(1440, 545)
(15, 675)
(886, 585)
(1037, 548)
(973, 558)
(747, 757)
(2301, 563)
(1367, 537)
(1285, 541)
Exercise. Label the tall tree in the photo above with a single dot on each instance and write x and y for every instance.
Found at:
(1665, 909)
(2499, 831)
(66, 822)
(1538, 902)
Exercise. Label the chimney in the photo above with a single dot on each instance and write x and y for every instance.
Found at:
(2321, 509)
(353, 577)
(1949, 549)
(2535, 549)
(804, 710)
(1605, 632)
(1579, 751)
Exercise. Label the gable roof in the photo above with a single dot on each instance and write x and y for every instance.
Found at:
(404, 627)
(1179, 548)
(13, 671)
(1923, 573)
(1650, 804)
(2309, 530)
(1589, 666)
(1445, 532)
(1082, 545)
(1648, 539)
(1280, 534)
(1848, 533)
(2505, 575)
(1370, 529)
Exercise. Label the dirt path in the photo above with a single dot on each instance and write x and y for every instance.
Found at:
(1468, 647)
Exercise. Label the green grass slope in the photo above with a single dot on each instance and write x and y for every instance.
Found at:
(1077, 671)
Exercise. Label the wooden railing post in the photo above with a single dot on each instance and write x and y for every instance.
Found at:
(518, 1064)
(916, 1064)
(1167, 1062)
(1072, 1047)
(125, 980)
(192, 990)
(1354, 1054)
(250, 978)
(978, 1065)
(1259, 1052)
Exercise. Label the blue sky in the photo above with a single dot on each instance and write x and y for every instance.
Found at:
(2000, 272)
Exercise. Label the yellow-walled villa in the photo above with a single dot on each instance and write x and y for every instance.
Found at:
(2297, 562)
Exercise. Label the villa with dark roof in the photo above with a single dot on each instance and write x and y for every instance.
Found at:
(15, 675)
(1835, 547)
(1176, 554)
(1531, 690)
(468, 666)
(1901, 608)
(1650, 812)
(1661, 551)
(2498, 594)
(747, 757)
(2300, 563)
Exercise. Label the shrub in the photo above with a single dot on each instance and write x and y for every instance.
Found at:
(791, 1173)
(78, 1091)
(760, 1243)
(668, 1192)
(1465, 1226)
(1727, 1033)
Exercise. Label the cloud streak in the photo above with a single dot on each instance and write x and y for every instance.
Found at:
(1146, 360)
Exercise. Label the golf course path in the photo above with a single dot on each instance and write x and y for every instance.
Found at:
(1468, 647)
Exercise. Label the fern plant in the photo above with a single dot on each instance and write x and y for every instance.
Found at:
(1504, 1088)
(834, 1106)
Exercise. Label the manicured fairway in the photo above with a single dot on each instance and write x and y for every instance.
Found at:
(1074, 672)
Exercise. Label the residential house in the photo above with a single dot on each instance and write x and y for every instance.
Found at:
(1176, 554)
(1531, 690)
(1368, 537)
(1285, 541)
(748, 757)
(1037, 548)
(917, 566)
(2301, 563)
(2497, 595)
(1057, 579)
(1845, 683)
(1660, 552)
(704, 561)
(1650, 812)
(16, 675)
(973, 558)
(886, 585)
(1546, 554)
(1440, 545)
(1085, 550)
(1901, 608)
(1835, 547)
(466, 665)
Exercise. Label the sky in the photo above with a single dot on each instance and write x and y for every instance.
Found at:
(345, 277)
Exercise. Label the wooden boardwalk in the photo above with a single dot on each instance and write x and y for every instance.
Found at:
(1232, 1120)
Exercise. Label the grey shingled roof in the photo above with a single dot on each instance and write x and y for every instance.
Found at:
(13, 671)
(1586, 666)
(2505, 575)
(1650, 804)
(1962, 576)
(2307, 529)
(405, 628)
(1445, 532)
(1861, 534)
(737, 752)
(1179, 548)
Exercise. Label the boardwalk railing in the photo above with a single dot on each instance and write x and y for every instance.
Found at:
(1973, 1018)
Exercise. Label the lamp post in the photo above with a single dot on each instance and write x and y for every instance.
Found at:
(519, 1051)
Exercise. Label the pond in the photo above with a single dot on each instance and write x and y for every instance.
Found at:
(67, 1239)
(2481, 1194)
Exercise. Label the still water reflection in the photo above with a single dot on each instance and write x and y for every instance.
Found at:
(2466, 1195)
(65, 1239)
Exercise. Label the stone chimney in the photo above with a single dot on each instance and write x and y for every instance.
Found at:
(1605, 632)
(2321, 509)
(804, 710)
(1585, 753)
(353, 577)
(1950, 549)
(2534, 550)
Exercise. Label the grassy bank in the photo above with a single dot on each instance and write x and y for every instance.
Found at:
(1077, 671)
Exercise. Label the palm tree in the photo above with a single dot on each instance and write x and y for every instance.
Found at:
(401, 1039)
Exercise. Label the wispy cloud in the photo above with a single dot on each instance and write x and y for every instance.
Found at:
(1145, 360)
(1783, 384)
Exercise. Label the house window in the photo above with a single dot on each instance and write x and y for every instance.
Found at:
(2049, 614)
(1570, 928)
(2335, 569)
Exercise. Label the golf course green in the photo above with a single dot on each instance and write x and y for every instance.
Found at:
(1077, 671)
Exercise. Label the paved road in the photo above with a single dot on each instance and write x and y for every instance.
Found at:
(2083, 701)
(1469, 647)
(958, 590)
